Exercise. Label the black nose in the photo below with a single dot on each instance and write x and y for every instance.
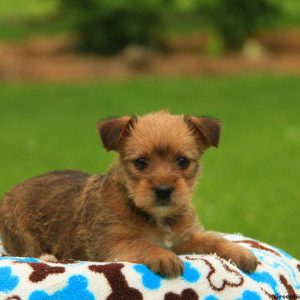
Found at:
(163, 194)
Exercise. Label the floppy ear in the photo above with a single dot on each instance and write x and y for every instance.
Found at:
(207, 129)
(114, 130)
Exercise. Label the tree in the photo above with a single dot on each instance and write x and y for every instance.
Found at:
(237, 20)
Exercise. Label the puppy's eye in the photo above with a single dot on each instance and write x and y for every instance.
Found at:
(141, 163)
(182, 162)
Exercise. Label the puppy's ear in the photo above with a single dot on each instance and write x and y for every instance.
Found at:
(207, 129)
(114, 130)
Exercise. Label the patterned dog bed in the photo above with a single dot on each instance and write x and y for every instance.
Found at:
(205, 277)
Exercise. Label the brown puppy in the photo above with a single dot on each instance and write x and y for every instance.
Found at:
(140, 211)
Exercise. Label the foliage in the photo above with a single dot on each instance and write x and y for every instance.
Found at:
(237, 20)
(108, 26)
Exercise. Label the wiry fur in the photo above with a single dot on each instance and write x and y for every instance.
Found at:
(70, 214)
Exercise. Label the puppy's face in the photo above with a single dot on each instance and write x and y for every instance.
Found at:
(159, 156)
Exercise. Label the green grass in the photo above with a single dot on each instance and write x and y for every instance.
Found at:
(249, 184)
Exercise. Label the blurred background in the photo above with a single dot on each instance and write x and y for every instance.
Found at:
(66, 64)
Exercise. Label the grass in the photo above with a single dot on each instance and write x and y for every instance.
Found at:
(249, 184)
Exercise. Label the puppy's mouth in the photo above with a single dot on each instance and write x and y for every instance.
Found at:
(162, 202)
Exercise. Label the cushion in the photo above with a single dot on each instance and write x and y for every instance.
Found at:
(205, 277)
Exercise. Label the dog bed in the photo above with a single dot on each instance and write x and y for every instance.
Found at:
(205, 277)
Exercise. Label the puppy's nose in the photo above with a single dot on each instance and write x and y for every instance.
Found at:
(163, 194)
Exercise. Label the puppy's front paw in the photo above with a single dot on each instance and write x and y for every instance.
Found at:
(48, 258)
(167, 264)
(243, 258)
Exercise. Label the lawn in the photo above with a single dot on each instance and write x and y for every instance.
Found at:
(249, 184)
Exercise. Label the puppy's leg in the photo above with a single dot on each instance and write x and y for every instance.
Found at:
(212, 242)
(141, 251)
(11, 242)
(32, 246)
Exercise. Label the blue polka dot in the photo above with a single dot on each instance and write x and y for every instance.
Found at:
(265, 277)
(150, 280)
(190, 274)
(20, 259)
(76, 289)
(250, 295)
(211, 297)
(8, 282)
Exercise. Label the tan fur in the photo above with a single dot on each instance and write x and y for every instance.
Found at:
(73, 215)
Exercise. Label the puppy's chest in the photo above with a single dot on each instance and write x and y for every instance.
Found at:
(165, 236)
(167, 242)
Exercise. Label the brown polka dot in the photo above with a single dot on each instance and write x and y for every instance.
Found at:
(257, 245)
(290, 291)
(42, 270)
(187, 294)
(14, 297)
(117, 281)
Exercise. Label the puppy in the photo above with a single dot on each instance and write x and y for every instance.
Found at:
(140, 211)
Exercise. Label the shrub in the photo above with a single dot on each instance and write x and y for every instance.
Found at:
(108, 26)
(237, 20)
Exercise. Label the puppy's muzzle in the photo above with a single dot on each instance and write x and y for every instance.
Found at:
(163, 194)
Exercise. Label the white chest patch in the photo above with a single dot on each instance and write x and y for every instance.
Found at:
(166, 241)
(168, 244)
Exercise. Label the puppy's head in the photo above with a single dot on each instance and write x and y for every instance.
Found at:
(159, 155)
